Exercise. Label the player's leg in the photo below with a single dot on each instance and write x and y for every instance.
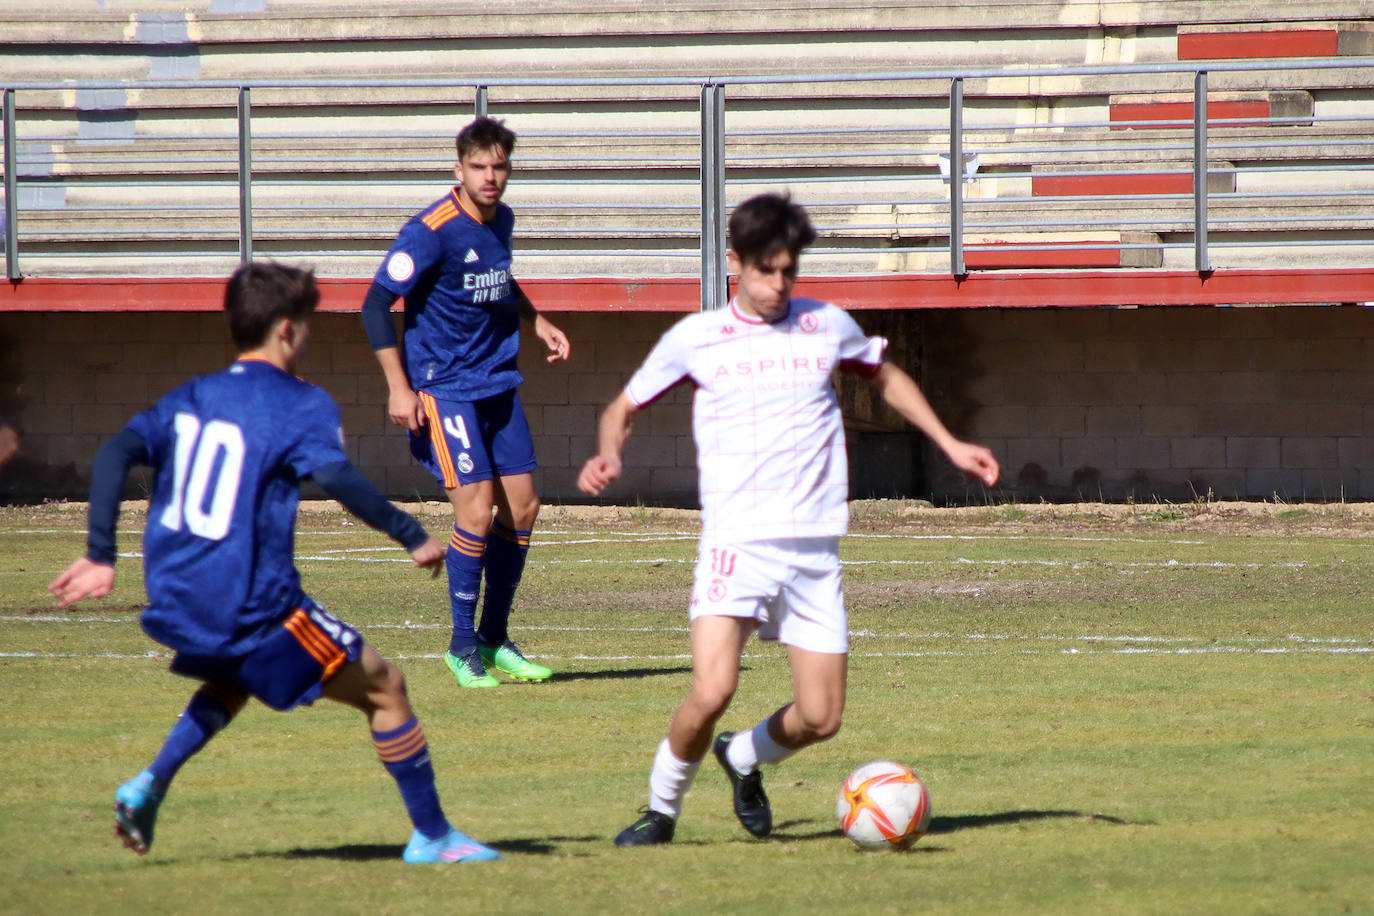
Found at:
(511, 446)
(810, 620)
(467, 547)
(517, 507)
(212, 707)
(377, 688)
(451, 447)
(717, 643)
(818, 691)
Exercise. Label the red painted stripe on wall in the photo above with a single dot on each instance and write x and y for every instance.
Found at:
(1258, 44)
(1010, 258)
(1183, 111)
(1109, 183)
(1009, 289)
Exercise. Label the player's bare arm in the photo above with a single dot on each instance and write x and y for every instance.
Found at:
(402, 404)
(612, 433)
(84, 578)
(544, 329)
(901, 392)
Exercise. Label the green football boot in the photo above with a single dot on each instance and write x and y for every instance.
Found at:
(469, 670)
(508, 659)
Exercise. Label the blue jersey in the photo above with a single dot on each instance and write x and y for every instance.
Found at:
(462, 325)
(229, 452)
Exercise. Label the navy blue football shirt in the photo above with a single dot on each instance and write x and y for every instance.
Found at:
(229, 451)
(462, 324)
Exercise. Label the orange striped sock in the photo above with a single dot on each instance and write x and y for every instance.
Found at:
(405, 754)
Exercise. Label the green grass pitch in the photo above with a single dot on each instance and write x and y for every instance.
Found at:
(1128, 710)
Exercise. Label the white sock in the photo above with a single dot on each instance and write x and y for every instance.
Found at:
(669, 781)
(749, 749)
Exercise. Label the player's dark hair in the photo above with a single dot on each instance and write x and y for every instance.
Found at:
(764, 225)
(261, 292)
(485, 133)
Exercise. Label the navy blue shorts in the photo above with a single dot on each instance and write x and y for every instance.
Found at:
(467, 441)
(289, 667)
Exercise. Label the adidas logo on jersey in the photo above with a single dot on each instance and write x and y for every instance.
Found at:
(471, 256)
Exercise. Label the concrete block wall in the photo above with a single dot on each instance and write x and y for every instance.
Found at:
(1151, 403)
(1160, 403)
(73, 379)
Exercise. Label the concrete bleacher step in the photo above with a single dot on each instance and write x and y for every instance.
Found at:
(1224, 110)
(141, 22)
(1257, 38)
(1108, 181)
(1062, 250)
(339, 168)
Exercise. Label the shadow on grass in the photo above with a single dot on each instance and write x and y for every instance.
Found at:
(785, 831)
(365, 852)
(351, 852)
(954, 824)
(372, 852)
(616, 673)
(972, 821)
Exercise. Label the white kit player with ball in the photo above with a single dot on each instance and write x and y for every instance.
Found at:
(774, 488)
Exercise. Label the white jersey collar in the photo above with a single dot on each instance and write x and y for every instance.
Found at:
(754, 319)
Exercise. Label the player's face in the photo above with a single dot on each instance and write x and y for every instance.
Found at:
(765, 285)
(484, 173)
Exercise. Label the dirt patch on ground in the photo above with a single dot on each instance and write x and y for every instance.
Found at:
(1355, 519)
(646, 600)
(900, 593)
(1239, 518)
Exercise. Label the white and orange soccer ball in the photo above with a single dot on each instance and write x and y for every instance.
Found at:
(883, 805)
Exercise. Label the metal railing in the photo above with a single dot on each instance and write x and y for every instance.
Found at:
(925, 213)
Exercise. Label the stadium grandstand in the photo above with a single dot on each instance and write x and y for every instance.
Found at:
(1129, 245)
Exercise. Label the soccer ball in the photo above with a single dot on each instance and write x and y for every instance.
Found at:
(883, 805)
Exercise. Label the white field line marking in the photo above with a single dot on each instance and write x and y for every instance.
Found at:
(554, 537)
(1353, 643)
(1125, 566)
(1206, 650)
(1095, 645)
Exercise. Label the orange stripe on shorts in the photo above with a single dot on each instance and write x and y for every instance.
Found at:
(439, 441)
(316, 642)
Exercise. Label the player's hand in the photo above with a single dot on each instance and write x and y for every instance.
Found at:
(597, 474)
(553, 338)
(430, 556)
(975, 460)
(405, 409)
(9, 442)
(85, 578)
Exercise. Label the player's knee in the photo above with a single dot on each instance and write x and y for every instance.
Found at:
(526, 513)
(711, 700)
(389, 683)
(820, 725)
(828, 729)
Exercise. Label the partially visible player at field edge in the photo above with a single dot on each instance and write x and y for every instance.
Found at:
(774, 503)
(453, 387)
(9, 441)
(229, 451)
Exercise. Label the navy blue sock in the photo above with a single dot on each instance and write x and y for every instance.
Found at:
(405, 754)
(505, 563)
(210, 710)
(464, 564)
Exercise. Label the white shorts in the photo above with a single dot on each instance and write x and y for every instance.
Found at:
(790, 585)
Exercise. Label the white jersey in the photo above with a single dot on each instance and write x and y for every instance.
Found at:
(769, 436)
